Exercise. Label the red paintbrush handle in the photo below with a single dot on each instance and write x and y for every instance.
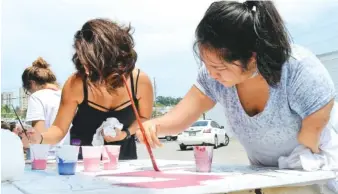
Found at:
(141, 126)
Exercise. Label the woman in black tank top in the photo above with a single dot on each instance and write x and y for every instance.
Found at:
(104, 52)
(88, 119)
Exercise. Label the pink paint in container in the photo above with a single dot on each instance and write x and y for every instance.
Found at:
(91, 158)
(110, 156)
(39, 155)
(203, 158)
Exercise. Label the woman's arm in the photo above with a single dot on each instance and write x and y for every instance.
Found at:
(39, 126)
(187, 111)
(313, 125)
(200, 98)
(311, 94)
(71, 94)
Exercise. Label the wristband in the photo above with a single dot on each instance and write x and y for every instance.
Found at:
(128, 134)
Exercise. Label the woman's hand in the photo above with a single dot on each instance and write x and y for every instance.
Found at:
(120, 135)
(151, 134)
(34, 137)
(17, 130)
(310, 140)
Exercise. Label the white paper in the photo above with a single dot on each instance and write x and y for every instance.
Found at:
(12, 156)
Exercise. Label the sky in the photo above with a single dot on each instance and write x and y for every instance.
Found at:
(164, 34)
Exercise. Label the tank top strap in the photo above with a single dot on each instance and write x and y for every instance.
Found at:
(138, 75)
(134, 88)
(85, 89)
(132, 85)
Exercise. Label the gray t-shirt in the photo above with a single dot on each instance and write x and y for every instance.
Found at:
(304, 88)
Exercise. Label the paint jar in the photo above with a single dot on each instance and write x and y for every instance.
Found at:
(203, 158)
(110, 156)
(91, 158)
(39, 156)
(66, 157)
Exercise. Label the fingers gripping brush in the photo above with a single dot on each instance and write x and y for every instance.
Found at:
(17, 116)
(141, 126)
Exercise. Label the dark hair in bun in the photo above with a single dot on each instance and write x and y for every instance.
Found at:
(39, 72)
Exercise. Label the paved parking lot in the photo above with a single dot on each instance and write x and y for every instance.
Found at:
(232, 154)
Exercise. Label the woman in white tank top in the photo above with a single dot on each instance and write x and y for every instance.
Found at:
(44, 96)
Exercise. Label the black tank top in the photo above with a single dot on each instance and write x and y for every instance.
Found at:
(87, 119)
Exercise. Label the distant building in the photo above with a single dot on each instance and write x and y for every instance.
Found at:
(330, 60)
(23, 99)
(7, 98)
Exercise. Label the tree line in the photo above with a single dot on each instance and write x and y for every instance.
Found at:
(164, 101)
(161, 101)
(7, 112)
(167, 101)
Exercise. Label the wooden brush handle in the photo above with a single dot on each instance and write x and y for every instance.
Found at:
(141, 126)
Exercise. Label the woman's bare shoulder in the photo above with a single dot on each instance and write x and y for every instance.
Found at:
(73, 88)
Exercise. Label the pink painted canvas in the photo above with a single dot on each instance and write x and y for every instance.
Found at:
(177, 179)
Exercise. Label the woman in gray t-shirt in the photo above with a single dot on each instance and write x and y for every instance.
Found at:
(276, 96)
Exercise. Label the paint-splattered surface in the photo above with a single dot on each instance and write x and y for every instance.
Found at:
(175, 176)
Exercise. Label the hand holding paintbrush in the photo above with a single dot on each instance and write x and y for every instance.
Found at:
(140, 125)
(17, 116)
(31, 136)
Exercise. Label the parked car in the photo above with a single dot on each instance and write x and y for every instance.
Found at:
(168, 138)
(161, 136)
(203, 132)
(171, 137)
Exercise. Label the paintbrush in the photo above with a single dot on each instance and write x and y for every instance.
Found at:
(141, 126)
(17, 116)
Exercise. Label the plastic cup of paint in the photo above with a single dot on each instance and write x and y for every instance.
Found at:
(91, 158)
(110, 156)
(39, 156)
(66, 157)
(203, 158)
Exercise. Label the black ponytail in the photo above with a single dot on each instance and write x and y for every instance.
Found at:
(273, 43)
(239, 29)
